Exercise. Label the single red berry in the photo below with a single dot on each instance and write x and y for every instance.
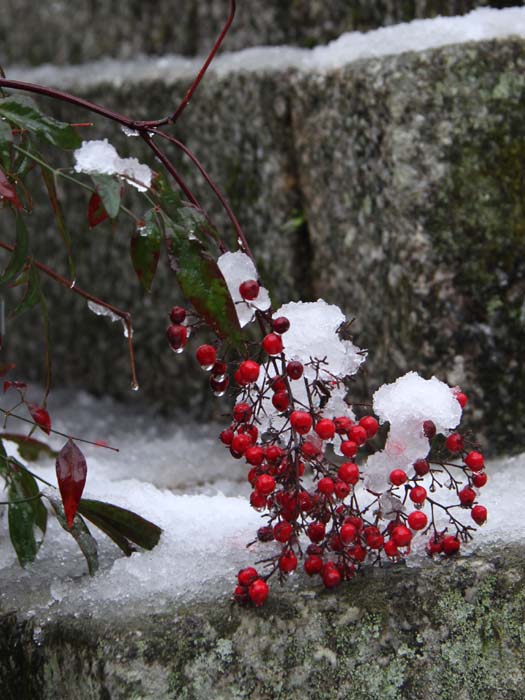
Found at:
(249, 371)
(206, 356)
(313, 565)
(462, 399)
(254, 455)
(177, 315)
(417, 520)
(247, 576)
(240, 443)
(348, 533)
(349, 472)
(265, 484)
(335, 543)
(358, 435)
(314, 550)
(251, 430)
(316, 532)
(265, 534)
(219, 387)
(401, 536)
(272, 344)
(398, 477)
(242, 412)
(282, 531)
(239, 379)
(280, 324)
(475, 461)
(479, 514)
(429, 429)
(288, 562)
(479, 479)
(240, 594)
(455, 443)
(467, 496)
(326, 486)
(434, 545)
(309, 450)
(325, 428)
(358, 553)
(274, 453)
(226, 436)
(257, 500)
(219, 369)
(277, 384)
(249, 290)
(301, 422)
(258, 592)
(370, 424)
(305, 501)
(331, 577)
(294, 369)
(450, 545)
(349, 448)
(342, 424)
(421, 467)
(391, 549)
(177, 337)
(281, 401)
(341, 490)
(418, 495)
(356, 522)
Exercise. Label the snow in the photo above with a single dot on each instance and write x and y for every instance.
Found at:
(101, 158)
(483, 24)
(237, 268)
(205, 516)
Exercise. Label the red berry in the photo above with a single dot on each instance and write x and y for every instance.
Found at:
(301, 422)
(467, 496)
(349, 472)
(294, 369)
(313, 565)
(274, 453)
(249, 290)
(358, 434)
(226, 436)
(239, 378)
(341, 490)
(206, 356)
(177, 337)
(257, 500)
(375, 541)
(249, 371)
(254, 455)
(240, 594)
(309, 450)
(177, 315)
(418, 495)
(450, 545)
(358, 553)
(288, 562)
(398, 477)
(370, 424)
(258, 592)
(280, 324)
(401, 536)
(219, 387)
(281, 401)
(251, 430)
(349, 448)
(277, 384)
(247, 576)
(219, 369)
(475, 461)
(479, 479)
(421, 467)
(283, 531)
(326, 486)
(316, 532)
(342, 424)
(242, 412)
(479, 514)
(325, 428)
(272, 344)
(305, 501)
(240, 443)
(265, 534)
(462, 399)
(417, 520)
(455, 443)
(391, 549)
(265, 484)
(434, 545)
(356, 522)
(348, 533)
(331, 577)
(429, 429)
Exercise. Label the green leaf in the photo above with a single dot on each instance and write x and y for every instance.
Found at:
(145, 250)
(79, 531)
(29, 488)
(32, 294)
(19, 256)
(4, 465)
(109, 189)
(25, 114)
(121, 525)
(49, 180)
(23, 516)
(6, 134)
(29, 448)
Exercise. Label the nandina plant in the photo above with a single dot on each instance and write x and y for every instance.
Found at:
(335, 489)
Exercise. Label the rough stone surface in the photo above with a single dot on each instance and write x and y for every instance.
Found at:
(90, 29)
(450, 631)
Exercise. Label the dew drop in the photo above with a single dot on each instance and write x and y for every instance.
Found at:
(134, 386)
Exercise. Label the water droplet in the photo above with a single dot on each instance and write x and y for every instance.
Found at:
(178, 350)
(129, 132)
(218, 394)
(72, 285)
(134, 386)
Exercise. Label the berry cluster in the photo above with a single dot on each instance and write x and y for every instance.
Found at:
(306, 467)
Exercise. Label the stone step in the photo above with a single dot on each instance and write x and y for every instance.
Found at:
(390, 186)
(91, 29)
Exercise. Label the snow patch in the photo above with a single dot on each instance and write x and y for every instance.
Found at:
(101, 158)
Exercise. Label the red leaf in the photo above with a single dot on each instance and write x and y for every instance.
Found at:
(8, 191)
(71, 475)
(15, 385)
(40, 416)
(96, 212)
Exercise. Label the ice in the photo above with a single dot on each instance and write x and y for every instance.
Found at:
(101, 158)
(100, 310)
(237, 268)
(483, 24)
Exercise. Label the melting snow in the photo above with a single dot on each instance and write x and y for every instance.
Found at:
(101, 158)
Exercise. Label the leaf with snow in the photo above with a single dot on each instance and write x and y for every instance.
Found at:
(101, 158)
